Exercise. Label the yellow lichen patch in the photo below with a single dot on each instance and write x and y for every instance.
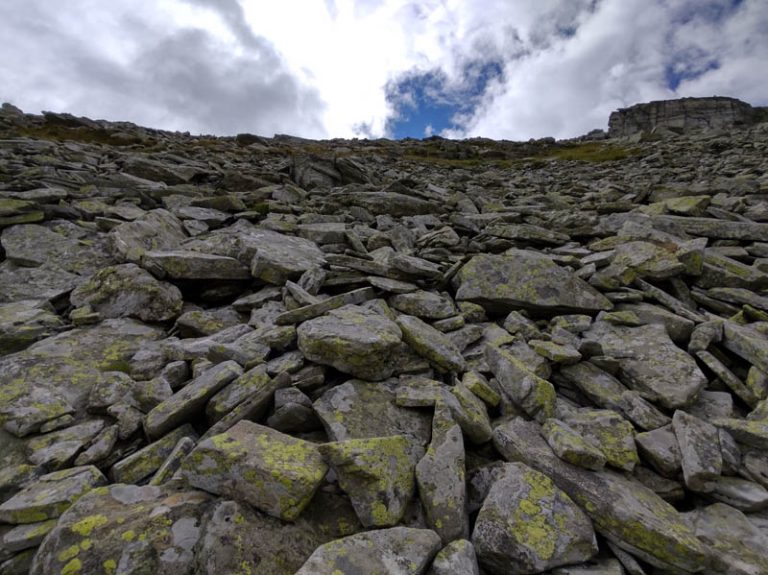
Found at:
(85, 526)
(128, 536)
(68, 553)
(86, 544)
(74, 566)
(110, 566)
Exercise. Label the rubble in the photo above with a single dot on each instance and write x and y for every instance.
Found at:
(279, 356)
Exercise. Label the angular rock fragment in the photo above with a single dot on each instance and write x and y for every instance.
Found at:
(275, 473)
(700, 454)
(432, 345)
(570, 446)
(140, 465)
(456, 557)
(24, 322)
(377, 474)
(275, 257)
(529, 525)
(534, 394)
(50, 495)
(353, 340)
(650, 362)
(440, 476)
(401, 550)
(148, 528)
(494, 282)
(188, 265)
(190, 399)
(129, 291)
(622, 510)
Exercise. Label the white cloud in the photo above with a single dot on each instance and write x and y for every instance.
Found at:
(321, 68)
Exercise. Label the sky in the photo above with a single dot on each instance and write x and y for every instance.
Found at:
(502, 69)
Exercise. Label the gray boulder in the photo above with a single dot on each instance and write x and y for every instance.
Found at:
(354, 340)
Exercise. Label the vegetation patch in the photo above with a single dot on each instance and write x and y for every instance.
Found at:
(588, 152)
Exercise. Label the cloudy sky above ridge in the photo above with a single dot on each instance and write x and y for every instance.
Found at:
(511, 69)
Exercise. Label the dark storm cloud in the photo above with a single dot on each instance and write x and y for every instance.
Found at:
(182, 79)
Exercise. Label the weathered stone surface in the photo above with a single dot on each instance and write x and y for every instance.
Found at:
(24, 322)
(570, 446)
(274, 472)
(609, 432)
(398, 550)
(622, 510)
(528, 525)
(440, 476)
(377, 474)
(34, 245)
(235, 538)
(456, 557)
(494, 282)
(432, 345)
(129, 291)
(137, 529)
(187, 265)
(354, 340)
(533, 394)
(59, 371)
(157, 230)
(361, 409)
(275, 257)
(190, 399)
(681, 115)
(50, 495)
(701, 458)
(650, 363)
(146, 461)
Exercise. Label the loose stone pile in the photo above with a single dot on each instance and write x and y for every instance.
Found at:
(277, 356)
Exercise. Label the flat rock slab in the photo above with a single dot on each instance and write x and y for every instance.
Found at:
(68, 365)
(141, 529)
(528, 525)
(47, 282)
(274, 472)
(129, 291)
(396, 551)
(34, 245)
(50, 495)
(157, 230)
(190, 399)
(188, 265)
(431, 344)
(361, 409)
(276, 258)
(650, 362)
(24, 322)
(523, 279)
(354, 340)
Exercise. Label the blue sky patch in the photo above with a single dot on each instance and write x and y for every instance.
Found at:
(428, 103)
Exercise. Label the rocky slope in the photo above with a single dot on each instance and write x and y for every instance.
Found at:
(684, 115)
(277, 356)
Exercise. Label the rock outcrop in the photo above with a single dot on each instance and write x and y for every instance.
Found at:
(682, 116)
(277, 356)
